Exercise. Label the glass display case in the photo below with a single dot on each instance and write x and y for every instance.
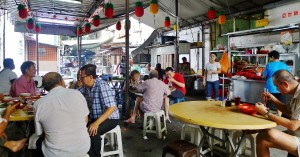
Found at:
(290, 59)
(242, 61)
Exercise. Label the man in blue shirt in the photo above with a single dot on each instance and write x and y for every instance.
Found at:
(101, 101)
(273, 66)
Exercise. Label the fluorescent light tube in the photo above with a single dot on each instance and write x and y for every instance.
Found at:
(71, 1)
(45, 20)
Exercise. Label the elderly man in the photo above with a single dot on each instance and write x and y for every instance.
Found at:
(62, 116)
(154, 92)
(7, 76)
(104, 114)
(175, 80)
(25, 83)
(273, 138)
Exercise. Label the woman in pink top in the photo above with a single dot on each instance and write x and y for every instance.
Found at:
(25, 83)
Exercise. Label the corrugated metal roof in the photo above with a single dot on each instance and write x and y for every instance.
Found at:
(190, 11)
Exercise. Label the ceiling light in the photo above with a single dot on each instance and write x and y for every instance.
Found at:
(45, 20)
(71, 1)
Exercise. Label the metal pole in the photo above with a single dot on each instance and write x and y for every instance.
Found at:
(4, 35)
(198, 51)
(176, 57)
(203, 49)
(127, 52)
(79, 38)
(37, 54)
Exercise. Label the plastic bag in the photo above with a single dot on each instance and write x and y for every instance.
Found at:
(225, 63)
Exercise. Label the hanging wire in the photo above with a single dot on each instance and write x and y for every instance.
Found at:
(228, 8)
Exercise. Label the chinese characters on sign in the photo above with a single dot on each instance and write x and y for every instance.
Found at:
(290, 14)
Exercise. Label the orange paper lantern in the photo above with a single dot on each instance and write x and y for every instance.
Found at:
(222, 19)
(154, 7)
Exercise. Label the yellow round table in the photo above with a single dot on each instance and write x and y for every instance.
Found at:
(20, 115)
(211, 114)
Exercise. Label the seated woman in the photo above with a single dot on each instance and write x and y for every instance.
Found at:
(5, 135)
(134, 81)
(25, 83)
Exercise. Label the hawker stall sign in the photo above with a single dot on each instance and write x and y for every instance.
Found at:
(262, 22)
(284, 15)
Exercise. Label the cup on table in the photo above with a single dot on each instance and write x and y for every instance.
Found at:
(237, 101)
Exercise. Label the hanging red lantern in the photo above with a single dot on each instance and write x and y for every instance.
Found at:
(167, 21)
(30, 23)
(22, 11)
(86, 20)
(77, 19)
(109, 10)
(37, 27)
(118, 26)
(96, 20)
(153, 7)
(79, 31)
(66, 18)
(54, 16)
(87, 28)
(222, 18)
(139, 9)
(211, 13)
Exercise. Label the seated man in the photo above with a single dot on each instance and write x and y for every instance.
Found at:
(25, 83)
(104, 114)
(61, 116)
(13, 146)
(175, 80)
(154, 91)
(273, 138)
(7, 76)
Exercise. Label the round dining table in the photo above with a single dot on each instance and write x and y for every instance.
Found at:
(210, 114)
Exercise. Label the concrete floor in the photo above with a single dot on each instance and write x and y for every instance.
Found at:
(134, 145)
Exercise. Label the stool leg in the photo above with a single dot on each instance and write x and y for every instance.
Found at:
(145, 125)
(158, 127)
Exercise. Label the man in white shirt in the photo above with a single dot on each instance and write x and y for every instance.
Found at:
(61, 116)
(7, 76)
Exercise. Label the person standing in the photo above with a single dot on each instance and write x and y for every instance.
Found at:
(148, 69)
(273, 66)
(7, 76)
(185, 67)
(273, 138)
(121, 66)
(25, 83)
(160, 71)
(175, 80)
(211, 77)
(61, 116)
(104, 114)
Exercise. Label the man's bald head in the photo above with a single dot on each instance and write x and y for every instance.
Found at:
(283, 76)
(153, 74)
(51, 80)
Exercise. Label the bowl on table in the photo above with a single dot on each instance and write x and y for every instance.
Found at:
(247, 108)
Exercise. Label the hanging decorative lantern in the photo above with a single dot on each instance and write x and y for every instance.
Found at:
(139, 9)
(77, 19)
(118, 26)
(66, 18)
(30, 23)
(86, 20)
(22, 11)
(211, 13)
(154, 7)
(79, 31)
(87, 28)
(129, 24)
(109, 10)
(222, 18)
(167, 21)
(96, 20)
(37, 27)
(174, 26)
(54, 16)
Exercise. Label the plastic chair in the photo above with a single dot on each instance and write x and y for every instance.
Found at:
(115, 137)
(193, 131)
(251, 138)
(174, 101)
(152, 123)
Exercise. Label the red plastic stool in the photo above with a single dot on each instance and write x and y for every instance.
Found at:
(181, 148)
